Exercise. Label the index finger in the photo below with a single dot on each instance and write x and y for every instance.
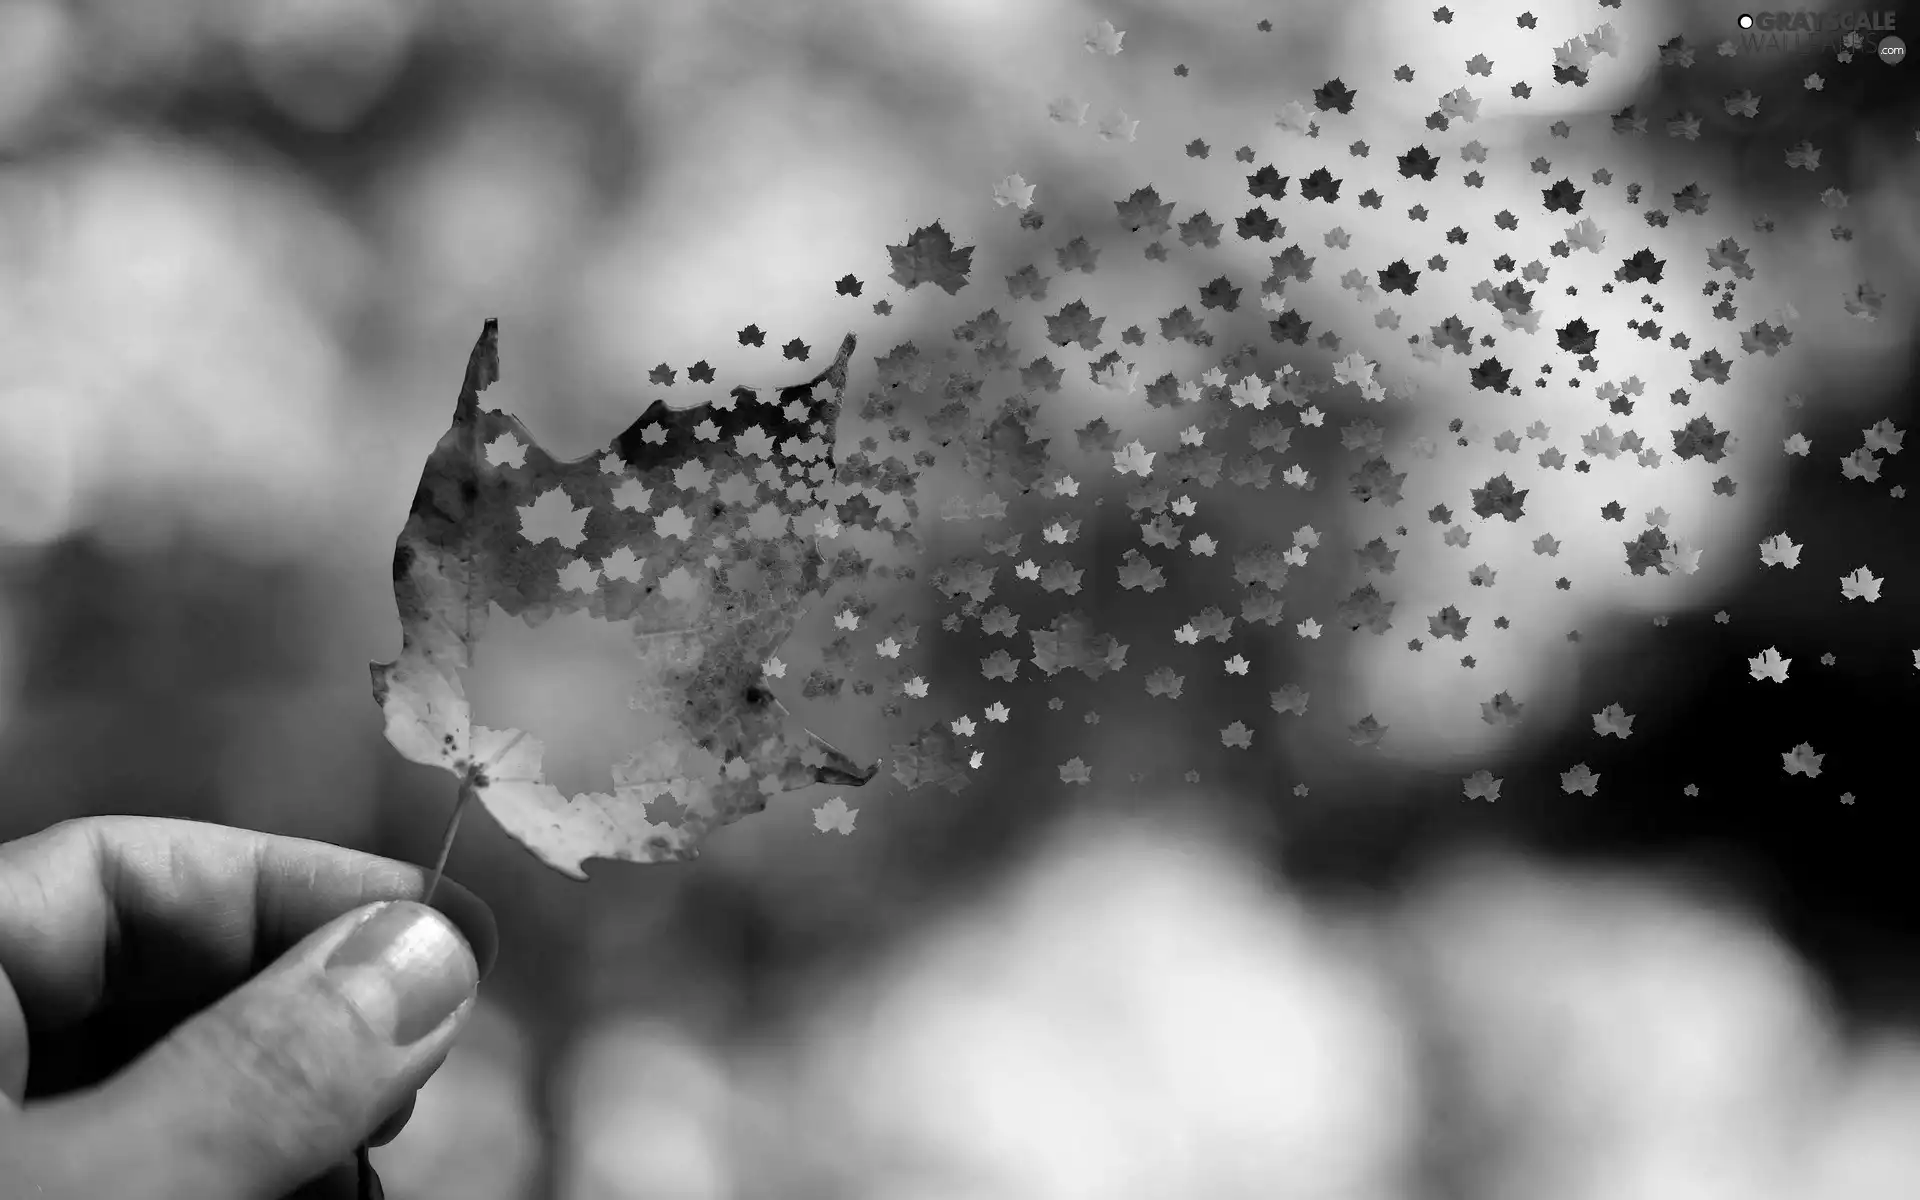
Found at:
(103, 907)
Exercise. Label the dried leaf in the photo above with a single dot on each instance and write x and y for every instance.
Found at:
(710, 589)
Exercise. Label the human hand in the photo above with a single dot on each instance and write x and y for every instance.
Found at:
(192, 1012)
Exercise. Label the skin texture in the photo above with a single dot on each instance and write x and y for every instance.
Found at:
(167, 1025)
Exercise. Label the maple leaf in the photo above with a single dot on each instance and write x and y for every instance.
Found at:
(1448, 623)
(1365, 608)
(1136, 571)
(1061, 576)
(1078, 255)
(1460, 104)
(835, 817)
(934, 757)
(1860, 584)
(1068, 111)
(1143, 210)
(1563, 197)
(1267, 184)
(1200, 230)
(1134, 459)
(1489, 375)
(1676, 53)
(1801, 760)
(1118, 377)
(1780, 551)
(1075, 770)
(1075, 323)
(1579, 779)
(1163, 682)
(1367, 731)
(1397, 276)
(1256, 225)
(1027, 283)
(1237, 735)
(1502, 710)
(1499, 496)
(1613, 720)
(1377, 556)
(1711, 365)
(1804, 157)
(1418, 163)
(1585, 235)
(1861, 464)
(1104, 39)
(1320, 185)
(1883, 438)
(1015, 191)
(1293, 117)
(1865, 302)
(1641, 267)
(1769, 665)
(1221, 294)
(1481, 785)
(1291, 699)
(1648, 550)
(700, 636)
(1377, 480)
(1118, 127)
(1181, 325)
(1678, 558)
(930, 256)
(1354, 368)
(1334, 96)
(1576, 338)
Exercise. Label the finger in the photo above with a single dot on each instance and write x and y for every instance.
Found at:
(393, 1125)
(13, 1046)
(395, 1122)
(341, 1182)
(103, 907)
(278, 1081)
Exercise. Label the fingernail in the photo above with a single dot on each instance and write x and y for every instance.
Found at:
(406, 969)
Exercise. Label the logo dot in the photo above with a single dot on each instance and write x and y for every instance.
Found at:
(1746, 20)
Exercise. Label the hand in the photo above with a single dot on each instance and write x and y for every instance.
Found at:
(191, 1012)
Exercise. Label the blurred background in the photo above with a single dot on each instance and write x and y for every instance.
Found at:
(244, 249)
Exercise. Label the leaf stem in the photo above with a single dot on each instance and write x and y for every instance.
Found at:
(446, 840)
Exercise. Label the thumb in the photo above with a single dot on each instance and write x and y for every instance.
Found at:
(284, 1077)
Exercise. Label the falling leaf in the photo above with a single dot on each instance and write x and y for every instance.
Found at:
(1769, 665)
(1015, 191)
(1861, 584)
(834, 817)
(1801, 760)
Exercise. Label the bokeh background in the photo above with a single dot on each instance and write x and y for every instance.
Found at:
(244, 249)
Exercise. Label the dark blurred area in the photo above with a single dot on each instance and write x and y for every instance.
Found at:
(243, 251)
